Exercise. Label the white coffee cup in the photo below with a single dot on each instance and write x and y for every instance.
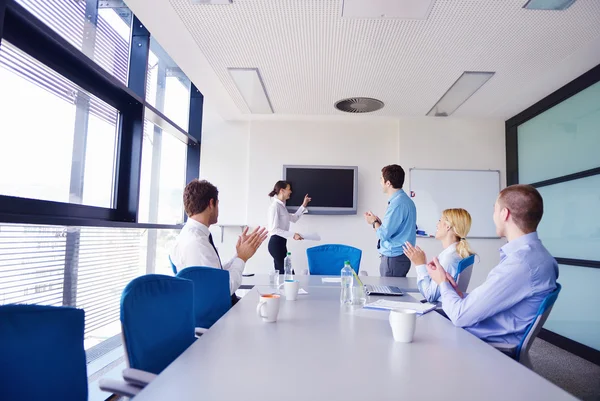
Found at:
(268, 307)
(403, 323)
(291, 288)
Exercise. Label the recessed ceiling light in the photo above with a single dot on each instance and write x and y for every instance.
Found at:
(548, 4)
(211, 1)
(252, 89)
(464, 87)
(402, 9)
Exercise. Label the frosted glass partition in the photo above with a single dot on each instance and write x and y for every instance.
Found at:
(575, 314)
(570, 227)
(562, 140)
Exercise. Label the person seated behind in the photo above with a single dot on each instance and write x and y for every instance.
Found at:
(194, 245)
(501, 309)
(452, 229)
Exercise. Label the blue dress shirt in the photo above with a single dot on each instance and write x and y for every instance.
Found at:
(398, 226)
(501, 308)
(449, 259)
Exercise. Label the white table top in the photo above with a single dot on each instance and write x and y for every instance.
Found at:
(319, 350)
(408, 284)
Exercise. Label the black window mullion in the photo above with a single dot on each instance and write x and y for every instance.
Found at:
(194, 130)
(138, 58)
(131, 127)
(2, 13)
(512, 155)
(578, 262)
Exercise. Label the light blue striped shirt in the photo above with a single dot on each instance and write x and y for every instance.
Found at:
(501, 308)
(398, 226)
(449, 259)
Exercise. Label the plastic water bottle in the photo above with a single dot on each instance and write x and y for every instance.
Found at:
(287, 267)
(347, 282)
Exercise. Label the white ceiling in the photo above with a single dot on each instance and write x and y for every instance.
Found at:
(310, 57)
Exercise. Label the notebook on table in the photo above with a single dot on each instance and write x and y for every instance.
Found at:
(384, 304)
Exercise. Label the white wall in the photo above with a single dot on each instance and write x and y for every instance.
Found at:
(245, 159)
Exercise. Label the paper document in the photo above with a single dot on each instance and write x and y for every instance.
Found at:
(384, 304)
(311, 236)
(302, 291)
(331, 280)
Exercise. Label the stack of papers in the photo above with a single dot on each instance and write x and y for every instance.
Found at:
(331, 280)
(384, 304)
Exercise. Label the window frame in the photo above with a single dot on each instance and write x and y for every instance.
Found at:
(512, 172)
(22, 29)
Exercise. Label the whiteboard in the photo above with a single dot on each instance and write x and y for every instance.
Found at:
(473, 190)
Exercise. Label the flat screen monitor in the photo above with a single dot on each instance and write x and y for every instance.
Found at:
(333, 189)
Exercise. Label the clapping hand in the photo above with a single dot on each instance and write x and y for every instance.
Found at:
(415, 254)
(371, 218)
(247, 244)
(439, 275)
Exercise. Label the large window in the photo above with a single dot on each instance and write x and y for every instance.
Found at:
(100, 29)
(92, 176)
(557, 152)
(168, 88)
(58, 142)
(163, 177)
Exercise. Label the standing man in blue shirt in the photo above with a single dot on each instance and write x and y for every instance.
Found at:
(398, 226)
(507, 302)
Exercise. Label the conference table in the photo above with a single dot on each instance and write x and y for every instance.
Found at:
(321, 350)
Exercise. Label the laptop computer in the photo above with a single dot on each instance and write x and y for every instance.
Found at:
(383, 290)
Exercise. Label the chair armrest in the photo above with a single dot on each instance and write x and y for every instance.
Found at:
(119, 387)
(199, 331)
(363, 273)
(136, 377)
(507, 349)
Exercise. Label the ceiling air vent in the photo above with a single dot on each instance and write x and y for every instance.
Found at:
(359, 105)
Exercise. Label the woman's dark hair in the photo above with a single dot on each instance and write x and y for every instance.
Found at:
(279, 185)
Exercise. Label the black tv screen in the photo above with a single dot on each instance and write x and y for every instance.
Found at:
(332, 188)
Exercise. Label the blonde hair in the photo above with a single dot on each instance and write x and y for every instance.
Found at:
(460, 223)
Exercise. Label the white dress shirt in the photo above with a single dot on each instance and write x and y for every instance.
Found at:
(449, 259)
(280, 218)
(193, 248)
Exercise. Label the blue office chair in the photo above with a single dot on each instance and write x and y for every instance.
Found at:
(157, 318)
(520, 352)
(329, 259)
(212, 297)
(41, 353)
(173, 266)
(463, 273)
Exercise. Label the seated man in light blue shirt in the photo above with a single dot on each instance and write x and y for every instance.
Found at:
(399, 224)
(507, 302)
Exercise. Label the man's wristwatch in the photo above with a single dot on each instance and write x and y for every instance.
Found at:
(376, 221)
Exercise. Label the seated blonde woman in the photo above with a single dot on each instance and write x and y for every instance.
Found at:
(452, 230)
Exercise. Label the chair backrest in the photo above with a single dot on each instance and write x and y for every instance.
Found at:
(537, 324)
(42, 354)
(173, 266)
(212, 297)
(463, 272)
(157, 318)
(329, 259)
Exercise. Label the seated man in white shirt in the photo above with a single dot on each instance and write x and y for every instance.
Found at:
(194, 245)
